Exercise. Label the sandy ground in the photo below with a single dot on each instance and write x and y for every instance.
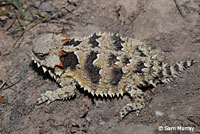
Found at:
(157, 22)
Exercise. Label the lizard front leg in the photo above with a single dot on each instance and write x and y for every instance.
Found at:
(66, 91)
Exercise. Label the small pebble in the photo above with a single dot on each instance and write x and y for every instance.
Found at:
(157, 38)
(185, 1)
(167, 49)
(158, 113)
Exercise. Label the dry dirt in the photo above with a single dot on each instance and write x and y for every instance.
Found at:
(157, 22)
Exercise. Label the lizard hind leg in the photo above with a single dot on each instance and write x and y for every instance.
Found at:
(65, 92)
(137, 104)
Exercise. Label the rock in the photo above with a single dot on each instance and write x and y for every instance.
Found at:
(69, 7)
(36, 3)
(4, 18)
(46, 7)
(167, 48)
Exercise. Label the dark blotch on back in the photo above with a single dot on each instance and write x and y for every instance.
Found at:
(69, 60)
(192, 62)
(117, 42)
(160, 63)
(93, 40)
(185, 64)
(112, 59)
(72, 43)
(176, 68)
(138, 69)
(141, 52)
(125, 60)
(116, 76)
(168, 71)
(93, 71)
(160, 74)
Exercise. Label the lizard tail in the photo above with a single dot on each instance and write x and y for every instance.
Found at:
(166, 72)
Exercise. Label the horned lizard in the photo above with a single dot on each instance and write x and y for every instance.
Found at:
(102, 64)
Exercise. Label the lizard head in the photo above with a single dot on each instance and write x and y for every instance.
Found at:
(45, 51)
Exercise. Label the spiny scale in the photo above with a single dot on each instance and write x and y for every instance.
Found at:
(103, 64)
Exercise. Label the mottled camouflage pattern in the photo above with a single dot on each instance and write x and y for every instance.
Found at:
(103, 64)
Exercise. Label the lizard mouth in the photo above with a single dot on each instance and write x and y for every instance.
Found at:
(44, 68)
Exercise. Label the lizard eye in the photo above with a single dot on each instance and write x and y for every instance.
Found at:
(41, 56)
